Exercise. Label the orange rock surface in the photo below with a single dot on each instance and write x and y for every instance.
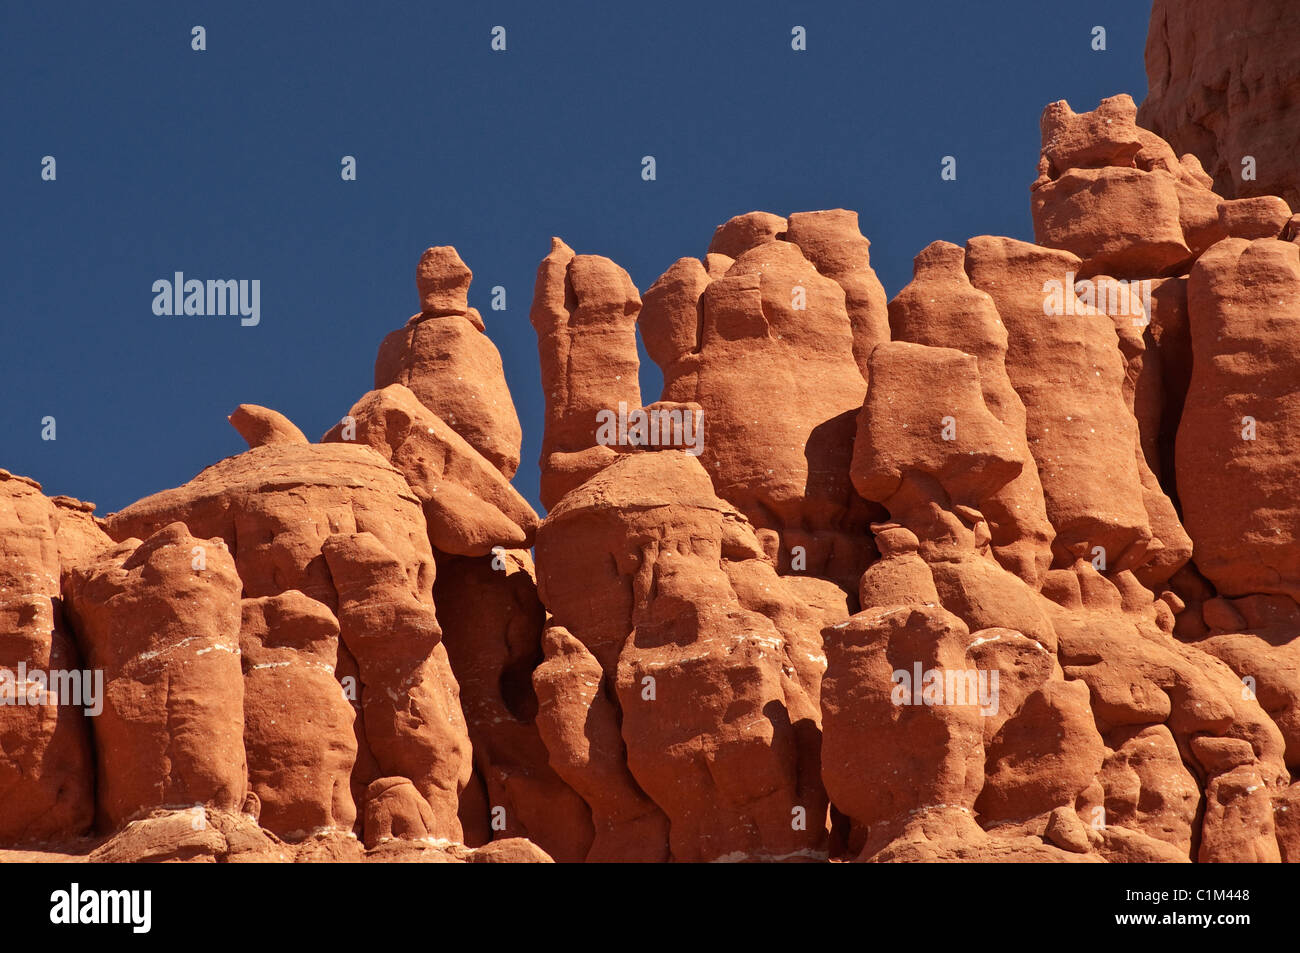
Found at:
(1006, 568)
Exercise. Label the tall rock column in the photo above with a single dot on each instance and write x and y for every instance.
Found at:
(444, 356)
(584, 311)
(46, 769)
(941, 308)
(1068, 370)
(160, 619)
(716, 693)
(770, 344)
(1238, 446)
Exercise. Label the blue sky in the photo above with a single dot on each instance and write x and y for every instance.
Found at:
(225, 164)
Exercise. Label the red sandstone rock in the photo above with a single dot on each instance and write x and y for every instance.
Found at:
(1120, 221)
(584, 311)
(1148, 787)
(46, 775)
(1045, 667)
(577, 720)
(452, 367)
(1138, 676)
(779, 434)
(669, 323)
(396, 811)
(1117, 196)
(1171, 339)
(298, 724)
(1107, 136)
(443, 282)
(1254, 635)
(492, 628)
(945, 432)
(1263, 217)
(832, 242)
(738, 235)
(261, 426)
(277, 507)
(409, 696)
(1144, 394)
(160, 619)
(79, 533)
(941, 308)
(718, 704)
(468, 504)
(1236, 449)
(1080, 431)
(1223, 83)
(885, 762)
(212, 836)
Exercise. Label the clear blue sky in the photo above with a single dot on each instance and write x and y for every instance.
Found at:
(225, 164)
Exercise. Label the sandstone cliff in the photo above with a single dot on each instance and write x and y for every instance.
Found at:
(1006, 568)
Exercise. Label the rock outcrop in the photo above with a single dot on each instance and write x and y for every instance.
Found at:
(1224, 84)
(46, 774)
(468, 505)
(584, 312)
(1237, 447)
(160, 619)
(1004, 569)
(445, 358)
(329, 548)
(797, 304)
(664, 586)
(299, 734)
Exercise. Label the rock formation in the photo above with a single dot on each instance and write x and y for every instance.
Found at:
(779, 438)
(1006, 568)
(1224, 84)
(46, 773)
(160, 619)
(584, 312)
(446, 359)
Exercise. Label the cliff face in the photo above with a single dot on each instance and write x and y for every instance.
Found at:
(1224, 84)
(1007, 568)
